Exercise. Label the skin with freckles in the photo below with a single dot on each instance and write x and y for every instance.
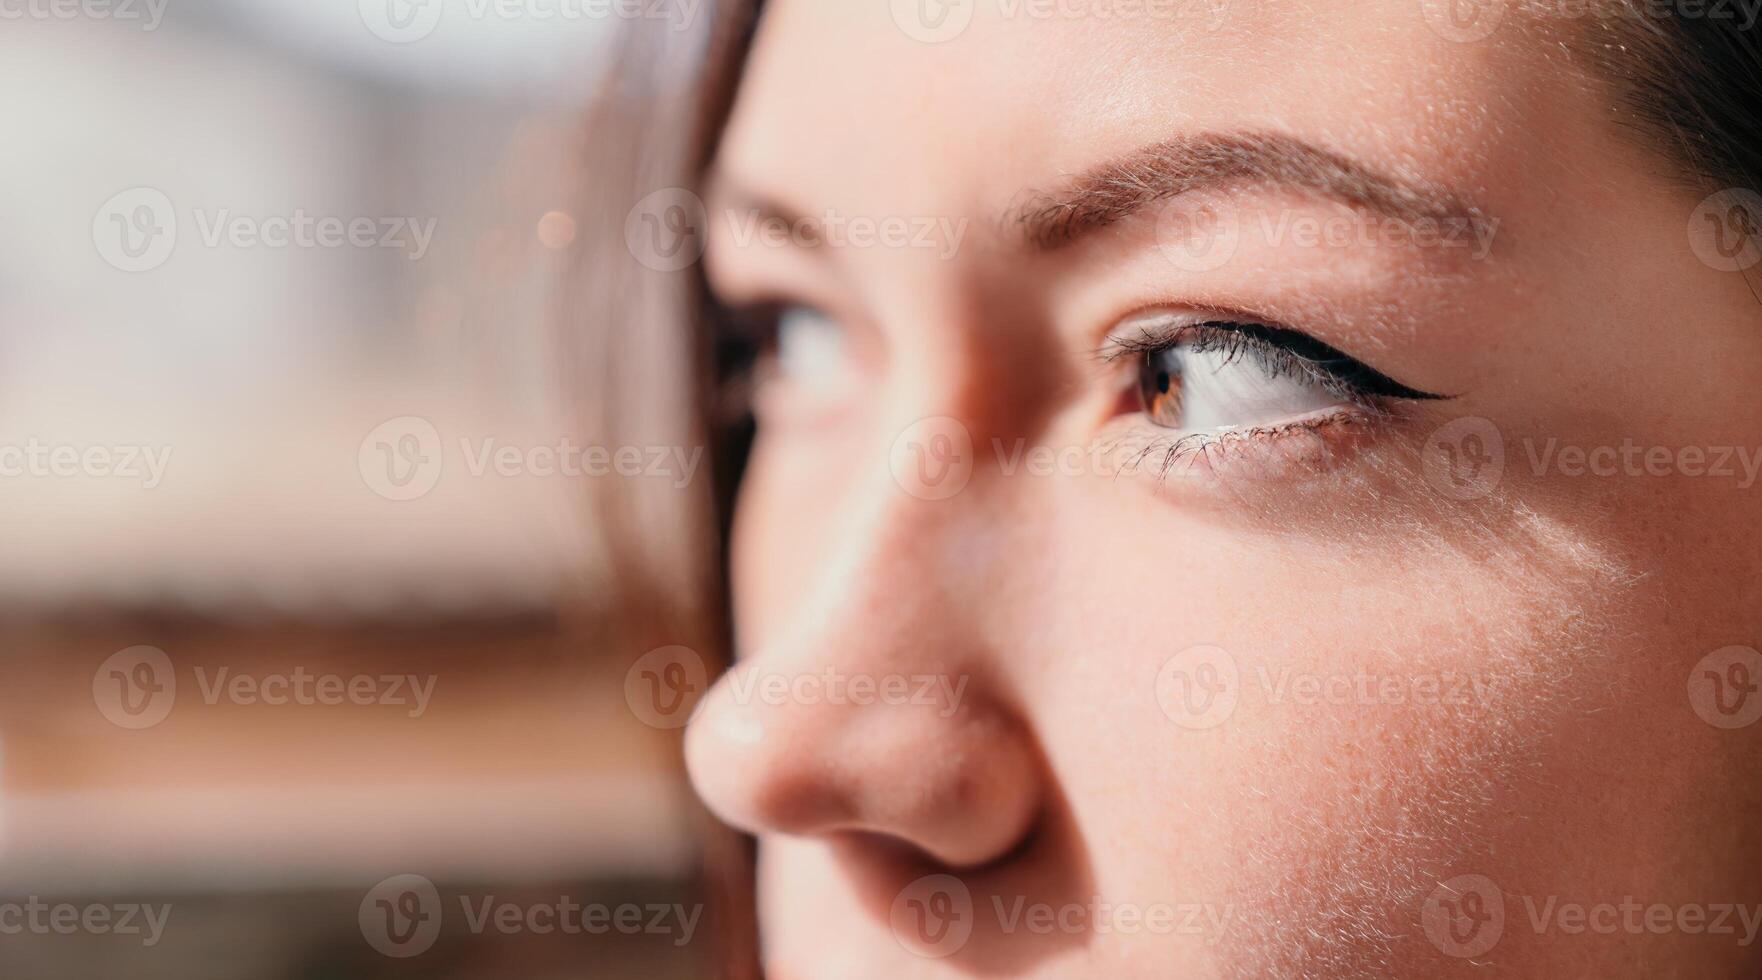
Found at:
(1297, 696)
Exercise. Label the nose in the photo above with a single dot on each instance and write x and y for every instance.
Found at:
(872, 714)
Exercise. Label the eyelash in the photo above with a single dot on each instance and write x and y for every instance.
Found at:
(1281, 353)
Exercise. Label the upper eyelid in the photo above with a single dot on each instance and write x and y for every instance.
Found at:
(1153, 339)
(1119, 348)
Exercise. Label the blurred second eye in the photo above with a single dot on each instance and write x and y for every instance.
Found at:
(812, 350)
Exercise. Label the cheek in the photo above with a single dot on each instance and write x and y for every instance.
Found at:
(1313, 743)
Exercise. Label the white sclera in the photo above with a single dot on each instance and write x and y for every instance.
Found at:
(811, 349)
(1223, 390)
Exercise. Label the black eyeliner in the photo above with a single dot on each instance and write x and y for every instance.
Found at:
(1326, 364)
(1337, 365)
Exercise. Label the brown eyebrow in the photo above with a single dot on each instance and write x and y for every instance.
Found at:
(1116, 190)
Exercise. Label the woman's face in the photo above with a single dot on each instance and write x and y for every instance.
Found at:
(1249, 489)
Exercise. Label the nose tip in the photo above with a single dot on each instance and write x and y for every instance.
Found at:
(953, 777)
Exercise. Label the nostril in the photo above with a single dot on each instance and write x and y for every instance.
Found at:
(976, 803)
(906, 853)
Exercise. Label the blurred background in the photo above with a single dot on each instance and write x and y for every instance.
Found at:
(305, 659)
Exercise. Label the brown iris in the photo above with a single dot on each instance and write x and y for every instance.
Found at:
(1159, 386)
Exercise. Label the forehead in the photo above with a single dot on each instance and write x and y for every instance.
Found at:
(956, 107)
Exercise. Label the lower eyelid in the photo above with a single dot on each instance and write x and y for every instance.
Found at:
(1290, 450)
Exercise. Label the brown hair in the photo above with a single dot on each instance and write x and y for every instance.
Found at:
(1690, 84)
(637, 341)
(632, 346)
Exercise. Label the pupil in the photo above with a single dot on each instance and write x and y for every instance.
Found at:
(1159, 383)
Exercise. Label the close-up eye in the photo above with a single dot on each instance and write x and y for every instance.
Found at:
(1219, 376)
